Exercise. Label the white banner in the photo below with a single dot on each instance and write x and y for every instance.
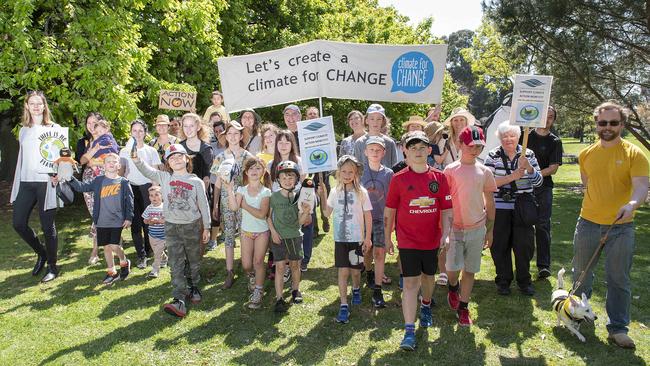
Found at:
(317, 145)
(530, 99)
(48, 141)
(375, 72)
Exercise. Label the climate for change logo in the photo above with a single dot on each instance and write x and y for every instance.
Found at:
(318, 157)
(529, 112)
(412, 72)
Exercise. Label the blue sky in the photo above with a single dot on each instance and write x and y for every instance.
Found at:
(448, 15)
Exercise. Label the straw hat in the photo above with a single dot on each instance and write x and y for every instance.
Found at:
(461, 112)
(162, 119)
(417, 120)
(432, 129)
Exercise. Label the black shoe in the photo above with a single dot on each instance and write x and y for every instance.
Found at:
(370, 279)
(543, 273)
(527, 290)
(40, 264)
(503, 290)
(296, 297)
(280, 306)
(124, 271)
(378, 300)
(49, 276)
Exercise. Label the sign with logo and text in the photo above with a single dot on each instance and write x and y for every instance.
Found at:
(177, 100)
(317, 145)
(377, 72)
(530, 99)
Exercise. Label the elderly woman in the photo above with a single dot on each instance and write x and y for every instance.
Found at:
(515, 174)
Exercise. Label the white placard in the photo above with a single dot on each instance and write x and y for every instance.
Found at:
(530, 99)
(376, 72)
(317, 145)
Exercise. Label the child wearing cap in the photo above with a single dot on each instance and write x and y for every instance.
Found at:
(472, 185)
(352, 223)
(285, 221)
(376, 120)
(376, 179)
(418, 206)
(187, 223)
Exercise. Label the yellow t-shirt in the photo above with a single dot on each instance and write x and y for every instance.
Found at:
(609, 173)
(266, 157)
(211, 109)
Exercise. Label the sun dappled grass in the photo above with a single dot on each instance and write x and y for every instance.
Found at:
(74, 320)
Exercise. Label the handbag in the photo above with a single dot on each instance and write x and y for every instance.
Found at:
(526, 207)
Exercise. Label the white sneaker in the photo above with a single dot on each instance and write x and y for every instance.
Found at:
(287, 274)
(442, 279)
(251, 282)
(256, 299)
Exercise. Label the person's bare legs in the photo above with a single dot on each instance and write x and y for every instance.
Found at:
(343, 275)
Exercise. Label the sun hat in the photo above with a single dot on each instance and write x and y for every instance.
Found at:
(417, 120)
(162, 119)
(235, 124)
(461, 112)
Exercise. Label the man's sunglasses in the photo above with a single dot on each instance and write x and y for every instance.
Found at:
(605, 123)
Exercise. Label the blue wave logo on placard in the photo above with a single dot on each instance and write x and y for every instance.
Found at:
(412, 72)
(314, 126)
(318, 157)
(533, 83)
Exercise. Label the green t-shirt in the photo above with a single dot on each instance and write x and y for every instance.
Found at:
(285, 216)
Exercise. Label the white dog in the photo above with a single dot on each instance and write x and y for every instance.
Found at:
(571, 311)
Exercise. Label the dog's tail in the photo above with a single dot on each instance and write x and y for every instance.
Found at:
(560, 278)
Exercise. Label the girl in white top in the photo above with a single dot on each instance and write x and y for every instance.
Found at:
(253, 200)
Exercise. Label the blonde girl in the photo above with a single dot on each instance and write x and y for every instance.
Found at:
(352, 222)
(269, 133)
(253, 200)
(231, 219)
(194, 137)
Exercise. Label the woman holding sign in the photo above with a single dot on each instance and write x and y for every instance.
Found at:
(31, 187)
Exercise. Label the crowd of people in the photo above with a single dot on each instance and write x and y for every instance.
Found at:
(205, 180)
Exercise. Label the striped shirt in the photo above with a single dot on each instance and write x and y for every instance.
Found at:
(525, 184)
(155, 212)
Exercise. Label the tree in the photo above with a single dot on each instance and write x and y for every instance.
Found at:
(596, 49)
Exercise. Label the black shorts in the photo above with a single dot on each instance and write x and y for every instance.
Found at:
(415, 262)
(348, 255)
(109, 235)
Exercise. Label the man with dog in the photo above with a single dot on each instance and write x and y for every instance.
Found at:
(614, 173)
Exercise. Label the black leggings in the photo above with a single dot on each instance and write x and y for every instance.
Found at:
(139, 230)
(30, 193)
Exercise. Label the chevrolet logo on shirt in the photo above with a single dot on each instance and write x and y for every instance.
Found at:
(422, 202)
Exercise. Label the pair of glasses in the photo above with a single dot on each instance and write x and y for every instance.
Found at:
(604, 123)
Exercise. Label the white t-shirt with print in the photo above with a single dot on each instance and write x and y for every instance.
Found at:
(347, 214)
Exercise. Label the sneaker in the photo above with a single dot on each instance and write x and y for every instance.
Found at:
(453, 300)
(408, 342)
(176, 307)
(543, 273)
(400, 284)
(622, 340)
(378, 300)
(296, 297)
(287, 274)
(356, 296)
(195, 295)
(280, 306)
(212, 245)
(344, 315)
(527, 290)
(110, 278)
(370, 279)
(256, 299)
(463, 318)
(426, 319)
(251, 282)
(152, 274)
(442, 279)
(93, 260)
(164, 262)
(125, 270)
(303, 267)
(142, 263)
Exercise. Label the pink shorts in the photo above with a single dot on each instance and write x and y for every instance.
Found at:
(252, 235)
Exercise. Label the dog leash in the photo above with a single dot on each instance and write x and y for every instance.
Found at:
(601, 245)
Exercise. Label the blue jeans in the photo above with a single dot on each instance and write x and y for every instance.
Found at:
(619, 249)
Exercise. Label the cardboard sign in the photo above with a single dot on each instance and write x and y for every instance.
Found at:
(44, 145)
(530, 99)
(377, 72)
(177, 100)
(317, 145)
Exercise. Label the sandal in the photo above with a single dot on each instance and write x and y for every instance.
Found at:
(385, 280)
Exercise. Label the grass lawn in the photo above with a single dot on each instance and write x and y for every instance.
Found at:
(74, 320)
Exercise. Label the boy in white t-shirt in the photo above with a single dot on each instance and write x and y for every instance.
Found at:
(472, 185)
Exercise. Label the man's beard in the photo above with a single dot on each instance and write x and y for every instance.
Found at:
(608, 135)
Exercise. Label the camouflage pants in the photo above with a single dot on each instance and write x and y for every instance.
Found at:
(183, 246)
